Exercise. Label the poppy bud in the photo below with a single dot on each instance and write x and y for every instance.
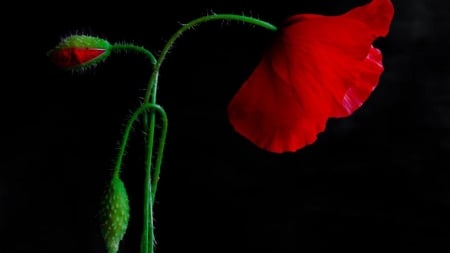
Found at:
(80, 51)
(115, 215)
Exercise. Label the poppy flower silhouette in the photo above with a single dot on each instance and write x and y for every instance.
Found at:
(318, 67)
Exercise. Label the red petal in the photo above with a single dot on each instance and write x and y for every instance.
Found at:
(267, 111)
(74, 57)
(318, 67)
(377, 15)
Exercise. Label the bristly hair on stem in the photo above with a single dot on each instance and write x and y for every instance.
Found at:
(78, 52)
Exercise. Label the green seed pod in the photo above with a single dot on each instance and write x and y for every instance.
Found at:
(115, 215)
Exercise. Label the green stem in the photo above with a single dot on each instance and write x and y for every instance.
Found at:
(150, 95)
(147, 234)
(130, 47)
(129, 127)
(152, 85)
(150, 189)
(151, 182)
(159, 156)
(148, 231)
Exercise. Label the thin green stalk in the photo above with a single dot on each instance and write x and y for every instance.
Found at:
(152, 86)
(147, 235)
(148, 231)
(129, 127)
(158, 162)
(126, 47)
(153, 82)
(151, 181)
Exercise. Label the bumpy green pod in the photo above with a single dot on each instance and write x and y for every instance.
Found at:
(115, 214)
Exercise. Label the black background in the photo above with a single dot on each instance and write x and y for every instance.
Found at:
(376, 181)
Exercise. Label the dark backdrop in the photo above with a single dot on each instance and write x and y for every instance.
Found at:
(376, 181)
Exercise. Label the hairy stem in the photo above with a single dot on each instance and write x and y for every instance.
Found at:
(152, 86)
(151, 180)
(129, 127)
(150, 95)
(147, 234)
(126, 47)
(150, 189)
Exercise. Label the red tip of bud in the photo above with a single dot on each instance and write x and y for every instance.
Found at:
(74, 57)
(78, 52)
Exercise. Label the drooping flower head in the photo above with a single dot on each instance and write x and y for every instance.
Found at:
(80, 51)
(318, 67)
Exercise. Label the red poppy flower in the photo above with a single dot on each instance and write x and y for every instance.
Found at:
(318, 67)
(79, 52)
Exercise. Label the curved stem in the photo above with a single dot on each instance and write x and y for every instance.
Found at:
(148, 231)
(159, 155)
(151, 182)
(147, 234)
(130, 47)
(152, 86)
(129, 127)
(150, 95)
(150, 186)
